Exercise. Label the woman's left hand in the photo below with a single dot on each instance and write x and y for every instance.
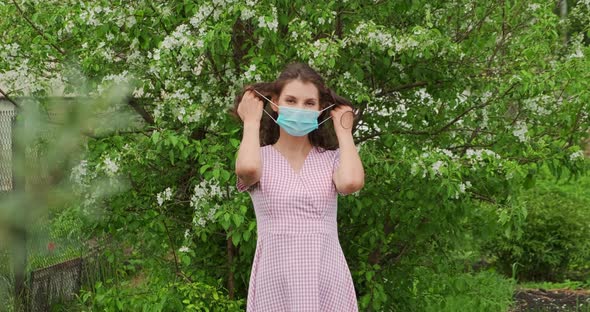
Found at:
(343, 118)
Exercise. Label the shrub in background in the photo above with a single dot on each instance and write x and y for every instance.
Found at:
(555, 235)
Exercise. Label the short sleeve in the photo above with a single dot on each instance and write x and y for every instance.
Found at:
(243, 187)
(336, 160)
(335, 165)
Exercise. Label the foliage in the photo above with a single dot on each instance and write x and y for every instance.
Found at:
(462, 102)
(119, 281)
(158, 295)
(440, 288)
(556, 236)
(567, 284)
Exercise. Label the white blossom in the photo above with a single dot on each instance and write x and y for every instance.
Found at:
(436, 166)
(79, 173)
(445, 152)
(164, 196)
(184, 249)
(158, 111)
(110, 166)
(537, 104)
(205, 189)
(578, 53)
(477, 155)
(577, 155)
(130, 21)
(200, 222)
(201, 15)
(211, 213)
(273, 24)
(138, 92)
(534, 6)
(247, 14)
(179, 37)
(195, 116)
(464, 186)
(156, 54)
(181, 113)
(520, 131)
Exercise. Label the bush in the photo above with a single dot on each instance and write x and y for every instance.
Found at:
(158, 295)
(434, 290)
(556, 233)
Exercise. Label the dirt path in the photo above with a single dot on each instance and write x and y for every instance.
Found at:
(551, 300)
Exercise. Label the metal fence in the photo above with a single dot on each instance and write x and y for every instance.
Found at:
(56, 283)
(61, 282)
(47, 286)
(7, 115)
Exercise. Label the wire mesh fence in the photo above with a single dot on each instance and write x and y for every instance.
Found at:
(58, 282)
(61, 282)
(7, 115)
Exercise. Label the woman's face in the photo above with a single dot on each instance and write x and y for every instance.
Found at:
(299, 94)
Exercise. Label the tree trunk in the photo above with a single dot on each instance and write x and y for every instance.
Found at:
(230, 260)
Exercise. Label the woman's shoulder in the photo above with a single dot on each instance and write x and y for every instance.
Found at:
(328, 151)
(265, 151)
(265, 148)
(329, 154)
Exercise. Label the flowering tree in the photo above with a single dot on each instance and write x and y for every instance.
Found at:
(460, 103)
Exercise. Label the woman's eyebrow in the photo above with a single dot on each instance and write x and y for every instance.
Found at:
(288, 95)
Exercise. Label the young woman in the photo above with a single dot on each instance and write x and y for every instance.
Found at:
(293, 164)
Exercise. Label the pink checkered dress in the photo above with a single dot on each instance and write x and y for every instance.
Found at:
(298, 264)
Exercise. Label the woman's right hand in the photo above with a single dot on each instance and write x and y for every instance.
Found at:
(250, 107)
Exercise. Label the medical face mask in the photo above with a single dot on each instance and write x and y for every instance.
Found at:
(296, 121)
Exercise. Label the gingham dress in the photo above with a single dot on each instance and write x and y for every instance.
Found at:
(298, 264)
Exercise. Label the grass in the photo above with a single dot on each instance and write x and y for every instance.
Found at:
(567, 284)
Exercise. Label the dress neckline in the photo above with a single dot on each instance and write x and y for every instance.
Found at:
(289, 164)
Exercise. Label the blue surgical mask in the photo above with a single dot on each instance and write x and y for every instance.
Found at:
(296, 121)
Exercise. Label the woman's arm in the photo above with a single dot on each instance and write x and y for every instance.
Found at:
(349, 177)
(248, 162)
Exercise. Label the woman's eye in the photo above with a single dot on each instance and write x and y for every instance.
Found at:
(290, 101)
(310, 103)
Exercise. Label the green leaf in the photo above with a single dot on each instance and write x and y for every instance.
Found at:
(204, 168)
(236, 237)
(225, 175)
(246, 235)
(238, 219)
(225, 224)
(155, 136)
(173, 140)
(251, 226)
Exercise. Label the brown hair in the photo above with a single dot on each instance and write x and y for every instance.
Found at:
(324, 136)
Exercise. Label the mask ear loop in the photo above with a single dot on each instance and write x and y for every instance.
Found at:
(326, 118)
(264, 110)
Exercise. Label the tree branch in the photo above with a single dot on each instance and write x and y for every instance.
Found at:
(141, 111)
(8, 98)
(37, 29)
